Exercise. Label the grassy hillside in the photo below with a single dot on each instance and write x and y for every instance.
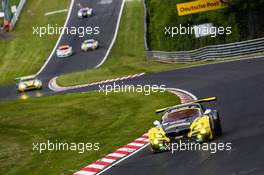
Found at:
(128, 54)
(246, 24)
(23, 53)
(112, 121)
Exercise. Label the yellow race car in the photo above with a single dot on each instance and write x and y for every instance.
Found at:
(187, 121)
(28, 83)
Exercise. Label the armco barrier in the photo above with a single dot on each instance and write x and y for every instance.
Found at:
(223, 51)
(212, 52)
(16, 15)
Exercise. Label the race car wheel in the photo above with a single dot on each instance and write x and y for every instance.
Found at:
(217, 127)
(20, 91)
(154, 151)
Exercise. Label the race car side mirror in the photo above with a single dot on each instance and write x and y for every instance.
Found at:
(156, 123)
(207, 111)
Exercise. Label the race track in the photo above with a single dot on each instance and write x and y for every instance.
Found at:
(238, 85)
(239, 88)
(105, 17)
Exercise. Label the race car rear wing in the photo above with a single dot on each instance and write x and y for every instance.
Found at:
(25, 77)
(208, 99)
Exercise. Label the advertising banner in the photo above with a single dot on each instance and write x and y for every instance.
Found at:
(199, 6)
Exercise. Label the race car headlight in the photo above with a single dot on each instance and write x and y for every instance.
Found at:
(22, 86)
(199, 126)
(203, 131)
(58, 52)
(158, 135)
(156, 142)
(37, 83)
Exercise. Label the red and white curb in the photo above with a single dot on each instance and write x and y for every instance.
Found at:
(108, 160)
(130, 149)
(184, 96)
(55, 87)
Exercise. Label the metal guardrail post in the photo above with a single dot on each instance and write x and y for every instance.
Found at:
(16, 15)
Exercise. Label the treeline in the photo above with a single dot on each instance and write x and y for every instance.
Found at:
(245, 17)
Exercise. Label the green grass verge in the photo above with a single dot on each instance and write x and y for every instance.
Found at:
(113, 121)
(23, 53)
(127, 56)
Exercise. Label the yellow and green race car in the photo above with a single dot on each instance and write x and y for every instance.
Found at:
(28, 83)
(189, 121)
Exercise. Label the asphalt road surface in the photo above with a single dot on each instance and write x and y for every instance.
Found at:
(239, 87)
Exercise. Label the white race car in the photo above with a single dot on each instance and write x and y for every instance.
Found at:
(64, 51)
(89, 44)
(85, 12)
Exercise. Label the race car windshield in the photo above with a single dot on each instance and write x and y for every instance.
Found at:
(30, 79)
(179, 115)
(89, 41)
(64, 48)
(84, 9)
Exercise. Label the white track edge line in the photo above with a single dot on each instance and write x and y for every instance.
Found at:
(57, 11)
(115, 35)
(58, 41)
(122, 159)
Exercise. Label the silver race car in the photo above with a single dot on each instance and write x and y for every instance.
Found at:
(85, 12)
(64, 51)
(89, 44)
